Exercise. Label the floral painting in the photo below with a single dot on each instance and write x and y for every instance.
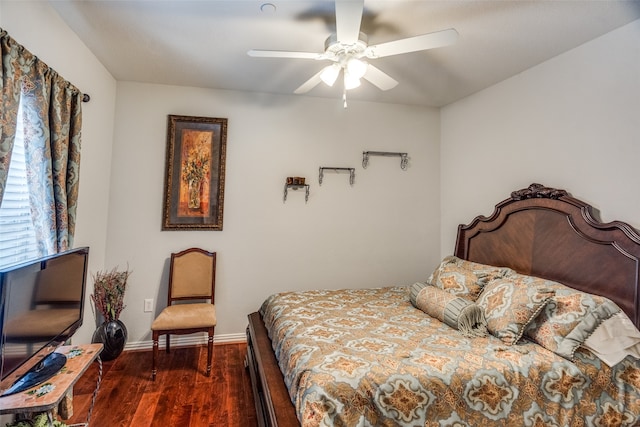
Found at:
(194, 188)
(194, 174)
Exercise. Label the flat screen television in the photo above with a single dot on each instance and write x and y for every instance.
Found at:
(41, 307)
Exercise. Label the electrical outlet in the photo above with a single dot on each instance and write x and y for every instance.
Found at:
(148, 305)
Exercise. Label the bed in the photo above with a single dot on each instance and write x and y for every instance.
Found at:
(540, 243)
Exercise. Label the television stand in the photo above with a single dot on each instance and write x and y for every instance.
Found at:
(57, 391)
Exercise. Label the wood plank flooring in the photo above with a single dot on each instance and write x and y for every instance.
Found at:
(182, 394)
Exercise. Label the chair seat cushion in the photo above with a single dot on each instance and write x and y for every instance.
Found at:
(185, 316)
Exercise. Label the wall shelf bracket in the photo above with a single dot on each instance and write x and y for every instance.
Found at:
(352, 173)
(403, 157)
(296, 187)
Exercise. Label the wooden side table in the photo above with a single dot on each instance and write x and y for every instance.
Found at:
(55, 394)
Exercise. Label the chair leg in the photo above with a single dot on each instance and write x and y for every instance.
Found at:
(155, 356)
(209, 351)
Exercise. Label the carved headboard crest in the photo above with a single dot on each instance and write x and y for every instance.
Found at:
(538, 191)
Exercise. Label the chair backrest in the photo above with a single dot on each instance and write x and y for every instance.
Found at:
(192, 275)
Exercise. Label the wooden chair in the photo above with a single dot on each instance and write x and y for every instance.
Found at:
(192, 277)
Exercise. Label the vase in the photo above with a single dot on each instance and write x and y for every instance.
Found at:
(113, 336)
(195, 194)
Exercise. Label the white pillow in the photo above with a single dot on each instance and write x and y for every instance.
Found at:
(615, 339)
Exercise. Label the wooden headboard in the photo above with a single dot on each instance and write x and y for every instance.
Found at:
(545, 232)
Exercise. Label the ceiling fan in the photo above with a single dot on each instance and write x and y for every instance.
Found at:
(348, 51)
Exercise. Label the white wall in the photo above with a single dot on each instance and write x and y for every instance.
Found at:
(572, 122)
(36, 26)
(383, 230)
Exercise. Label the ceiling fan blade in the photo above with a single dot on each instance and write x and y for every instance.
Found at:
(309, 84)
(258, 53)
(412, 44)
(348, 19)
(379, 78)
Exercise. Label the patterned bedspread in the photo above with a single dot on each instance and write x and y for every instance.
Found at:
(367, 357)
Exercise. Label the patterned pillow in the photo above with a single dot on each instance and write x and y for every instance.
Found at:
(569, 319)
(510, 304)
(465, 278)
(457, 312)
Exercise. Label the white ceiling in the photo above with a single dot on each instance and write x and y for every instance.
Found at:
(204, 43)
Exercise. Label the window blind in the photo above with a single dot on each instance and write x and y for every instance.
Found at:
(17, 235)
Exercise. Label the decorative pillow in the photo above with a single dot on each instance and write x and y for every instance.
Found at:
(457, 312)
(414, 290)
(465, 278)
(568, 320)
(510, 304)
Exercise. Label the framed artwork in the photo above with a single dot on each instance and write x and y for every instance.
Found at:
(194, 173)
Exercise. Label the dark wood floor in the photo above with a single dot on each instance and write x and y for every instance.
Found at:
(182, 394)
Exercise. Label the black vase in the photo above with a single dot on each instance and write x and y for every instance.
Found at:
(113, 336)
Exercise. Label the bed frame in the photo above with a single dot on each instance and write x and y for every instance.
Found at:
(538, 231)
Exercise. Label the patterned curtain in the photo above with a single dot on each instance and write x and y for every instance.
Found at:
(10, 98)
(52, 113)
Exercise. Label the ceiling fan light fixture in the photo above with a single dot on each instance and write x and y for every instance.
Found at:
(330, 74)
(350, 81)
(356, 67)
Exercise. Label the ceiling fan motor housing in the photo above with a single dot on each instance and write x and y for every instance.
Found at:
(338, 49)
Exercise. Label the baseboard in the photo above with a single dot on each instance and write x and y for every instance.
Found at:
(187, 340)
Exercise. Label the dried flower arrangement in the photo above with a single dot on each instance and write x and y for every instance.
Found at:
(108, 292)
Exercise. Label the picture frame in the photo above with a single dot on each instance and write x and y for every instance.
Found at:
(194, 173)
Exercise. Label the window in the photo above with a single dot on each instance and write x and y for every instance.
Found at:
(17, 234)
